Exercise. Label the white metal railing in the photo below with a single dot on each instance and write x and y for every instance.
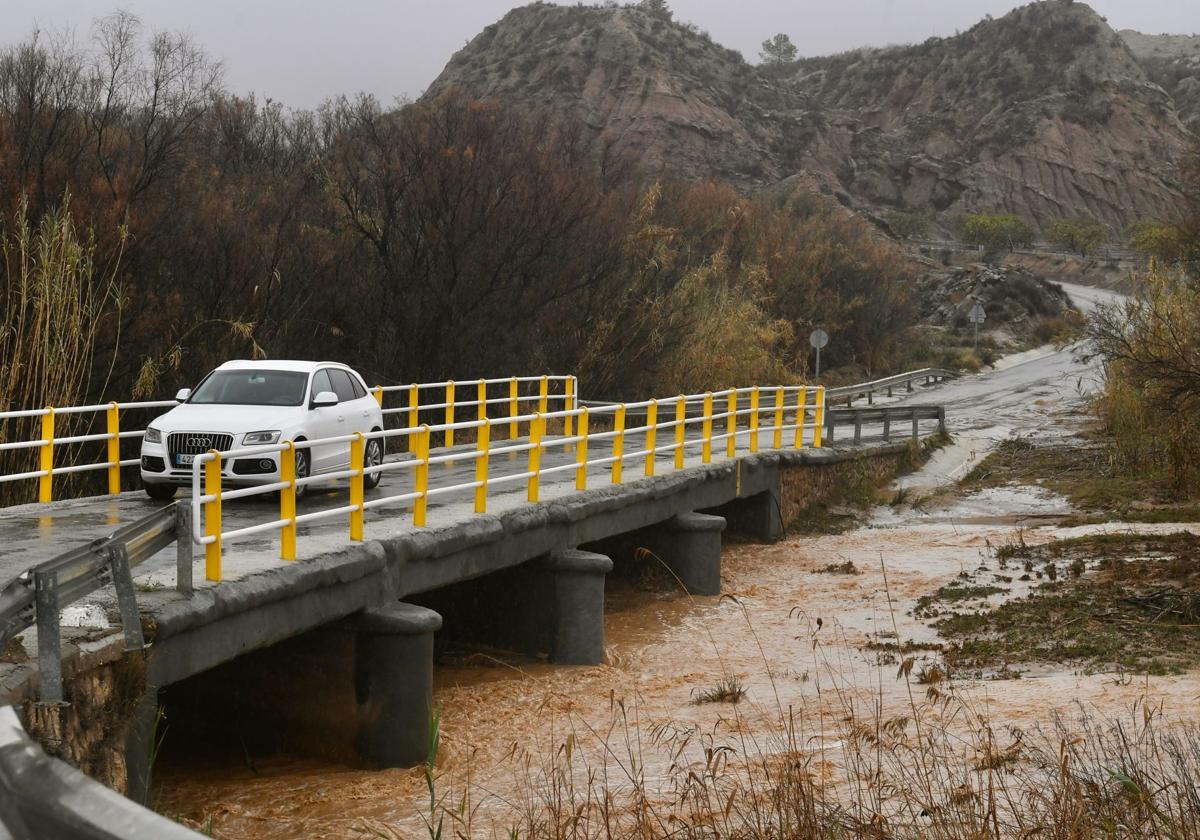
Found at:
(803, 405)
(558, 389)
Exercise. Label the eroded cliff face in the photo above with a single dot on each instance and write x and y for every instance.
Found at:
(1044, 112)
(1172, 62)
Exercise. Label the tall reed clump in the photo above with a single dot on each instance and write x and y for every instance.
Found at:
(1151, 402)
(54, 304)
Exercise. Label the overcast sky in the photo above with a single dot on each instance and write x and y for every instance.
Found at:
(301, 52)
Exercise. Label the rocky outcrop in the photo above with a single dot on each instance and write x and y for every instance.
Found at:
(1044, 112)
(1173, 63)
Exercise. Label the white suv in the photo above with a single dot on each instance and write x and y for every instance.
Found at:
(243, 404)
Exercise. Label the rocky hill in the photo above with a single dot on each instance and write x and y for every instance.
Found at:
(1172, 62)
(1045, 112)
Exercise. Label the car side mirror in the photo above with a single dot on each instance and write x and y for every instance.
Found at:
(182, 394)
(325, 399)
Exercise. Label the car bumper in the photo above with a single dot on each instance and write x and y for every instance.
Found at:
(246, 472)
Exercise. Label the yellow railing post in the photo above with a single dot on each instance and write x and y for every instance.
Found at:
(420, 504)
(46, 458)
(581, 452)
(212, 516)
(731, 407)
(544, 396)
(449, 437)
(481, 396)
(569, 405)
(287, 502)
(114, 449)
(482, 442)
(754, 419)
(618, 443)
(680, 429)
(357, 458)
(779, 397)
(651, 435)
(801, 415)
(706, 451)
(414, 414)
(536, 430)
(819, 421)
(513, 408)
(379, 395)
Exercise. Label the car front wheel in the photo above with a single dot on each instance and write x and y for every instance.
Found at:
(373, 457)
(302, 471)
(160, 492)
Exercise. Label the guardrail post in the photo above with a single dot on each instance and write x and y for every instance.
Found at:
(680, 429)
(581, 452)
(287, 502)
(820, 418)
(651, 435)
(887, 425)
(569, 405)
(513, 407)
(448, 440)
(378, 392)
(910, 387)
(618, 444)
(357, 459)
(754, 418)
(113, 416)
(731, 407)
(46, 458)
(122, 578)
(870, 397)
(706, 447)
(46, 606)
(481, 396)
(543, 395)
(212, 517)
(941, 418)
(414, 414)
(778, 441)
(420, 504)
(535, 457)
(857, 428)
(916, 431)
(183, 548)
(801, 415)
(482, 442)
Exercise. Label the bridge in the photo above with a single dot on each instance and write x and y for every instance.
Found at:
(532, 496)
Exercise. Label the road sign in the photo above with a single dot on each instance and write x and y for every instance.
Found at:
(976, 316)
(818, 339)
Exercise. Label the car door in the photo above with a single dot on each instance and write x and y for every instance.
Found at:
(362, 418)
(351, 415)
(325, 422)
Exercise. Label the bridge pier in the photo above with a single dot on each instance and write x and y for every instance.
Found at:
(393, 683)
(576, 608)
(690, 545)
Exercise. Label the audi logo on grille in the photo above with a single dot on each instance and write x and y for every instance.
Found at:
(199, 442)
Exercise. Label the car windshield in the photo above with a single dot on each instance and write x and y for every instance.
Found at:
(251, 387)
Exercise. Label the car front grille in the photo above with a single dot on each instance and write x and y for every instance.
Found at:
(196, 443)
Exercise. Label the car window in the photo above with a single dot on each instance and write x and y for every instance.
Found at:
(320, 383)
(359, 390)
(342, 384)
(250, 387)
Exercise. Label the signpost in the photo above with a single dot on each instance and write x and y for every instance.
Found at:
(976, 316)
(818, 339)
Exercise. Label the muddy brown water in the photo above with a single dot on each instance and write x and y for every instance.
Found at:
(793, 635)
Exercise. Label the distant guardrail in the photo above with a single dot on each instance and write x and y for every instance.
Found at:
(886, 416)
(927, 376)
(1104, 253)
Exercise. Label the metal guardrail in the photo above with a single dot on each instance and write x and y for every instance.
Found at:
(886, 415)
(444, 400)
(889, 383)
(37, 596)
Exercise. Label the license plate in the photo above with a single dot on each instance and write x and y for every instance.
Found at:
(184, 460)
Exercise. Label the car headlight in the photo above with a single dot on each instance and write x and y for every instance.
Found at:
(153, 435)
(260, 438)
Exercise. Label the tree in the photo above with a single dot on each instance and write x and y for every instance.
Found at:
(997, 232)
(1081, 236)
(657, 8)
(778, 50)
